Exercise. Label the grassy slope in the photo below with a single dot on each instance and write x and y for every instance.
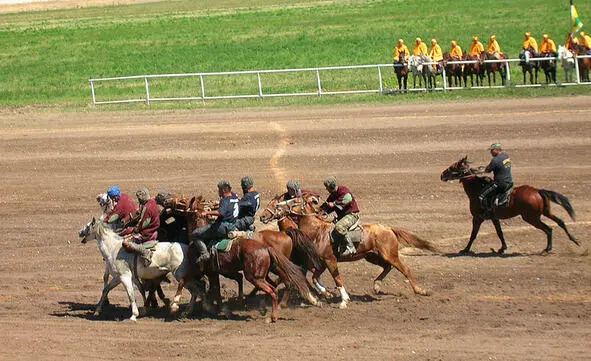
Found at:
(48, 57)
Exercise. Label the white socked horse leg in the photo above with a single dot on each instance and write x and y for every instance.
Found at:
(128, 284)
(106, 289)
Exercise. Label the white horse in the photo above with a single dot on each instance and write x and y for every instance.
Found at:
(128, 269)
(415, 64)
(567, 60)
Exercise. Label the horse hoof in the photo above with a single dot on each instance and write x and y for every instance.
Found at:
(465, 251)
(174, 308)
(268, 320)
(133, 318)
(546, 252)
(423, 292)
(343, 305)
(96, 314)
(376, 288)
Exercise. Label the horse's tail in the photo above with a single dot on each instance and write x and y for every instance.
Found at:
(304, 247)
(290, 274)
(411, 240)
(559, 199)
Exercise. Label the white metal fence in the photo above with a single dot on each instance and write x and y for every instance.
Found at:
(319, 90)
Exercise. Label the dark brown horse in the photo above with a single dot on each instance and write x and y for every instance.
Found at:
(528, 202)
(584, 63)
(254, 259)
(452, 71)
(401, 70)
(379, 244)
(495, 67)
(472, 70)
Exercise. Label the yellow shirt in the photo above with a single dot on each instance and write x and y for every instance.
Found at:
(548, 46)
(477, 48)
(456, 52)
(493, 47)
(399, 49)
(420, 49)
(530, 43)
(435, 53)
(586, 41)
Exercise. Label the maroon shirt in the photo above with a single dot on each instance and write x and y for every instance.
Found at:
(338, 197)
(124, 207)
(149, 210)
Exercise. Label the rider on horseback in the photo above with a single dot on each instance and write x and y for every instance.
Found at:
(530, 43)
(500, 165)
(226, 217)
(436, 54)
(548, 47)
(143, 236)
(455, 51)
(586, 41)
(494, 48)
(399, 49)
(476, 49)
(420, 48)
(249, 205)
(342, 202)
(124, 210)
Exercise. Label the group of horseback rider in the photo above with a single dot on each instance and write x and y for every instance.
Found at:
(547, 48)
(139, 225)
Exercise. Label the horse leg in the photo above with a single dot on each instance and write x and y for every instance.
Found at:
(174, 307)
(105, 282)
(333, 268)
(128, 284)
(319, 287)
(562, 225)
(378, 261)
(537, 222)
(476, 222)
(499, 230)
(106, 289)
(394, 260)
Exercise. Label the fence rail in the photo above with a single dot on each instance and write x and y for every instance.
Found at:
(318, 88)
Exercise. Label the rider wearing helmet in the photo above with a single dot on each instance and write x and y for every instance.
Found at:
(342, 202)
(436, 54)
(548, 46)
(530, 42)
(476, 48)
(500, 166)
(456, 50)
(226, 218)
(399, 49)
(586, 40)
(420, 48)
(249, 205)
(123, 212)
(144, 235)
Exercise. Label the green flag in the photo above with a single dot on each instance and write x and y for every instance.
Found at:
(575, 21)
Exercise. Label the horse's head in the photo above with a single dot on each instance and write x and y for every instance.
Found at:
(457, 170)
(271, 211)
(89, 231)
(193, 214)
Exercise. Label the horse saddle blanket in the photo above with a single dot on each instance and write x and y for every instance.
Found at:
(224, 245)
(504, 198)
(355, 234)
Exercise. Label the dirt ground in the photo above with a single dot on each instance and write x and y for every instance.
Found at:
(522, 306)
(12, 6)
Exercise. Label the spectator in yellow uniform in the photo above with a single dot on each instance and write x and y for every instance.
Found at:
(494, 48)
(455, 51)
(548, 47)
(436, 54)
(420, 48)
(399, 49)
(476, 48)
(530, 42)
(586, 40)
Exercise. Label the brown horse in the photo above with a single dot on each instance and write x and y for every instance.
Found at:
(401, 70)
(452, 71)
(584, 63)
(528, 202)
(379, 244)
(495, 67)
(254, 259)
(473, 69)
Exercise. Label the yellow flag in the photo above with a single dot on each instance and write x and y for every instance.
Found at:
(576, 23)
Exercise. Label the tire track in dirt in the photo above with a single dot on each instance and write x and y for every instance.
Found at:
(279, 173)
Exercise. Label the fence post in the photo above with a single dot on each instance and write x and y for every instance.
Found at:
(147, 91)
(508, 72)
(577, 69)
(319, 83)
(444, 77)
(260, 85)
(202, 89)
(380, 79)
(92, 89)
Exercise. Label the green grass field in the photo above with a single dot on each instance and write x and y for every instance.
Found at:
(48, 57)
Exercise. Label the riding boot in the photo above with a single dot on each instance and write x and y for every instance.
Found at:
(350, 247)
(203, 254)
(144, 253)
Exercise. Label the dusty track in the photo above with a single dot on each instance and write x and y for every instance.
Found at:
(522, 306)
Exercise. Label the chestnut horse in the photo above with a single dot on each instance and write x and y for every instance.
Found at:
(452, 71)
(473, 69)
(494, 67)
(401, 70)
(379, 244)
(528, 202)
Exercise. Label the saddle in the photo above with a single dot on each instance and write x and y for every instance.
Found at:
(503, 199)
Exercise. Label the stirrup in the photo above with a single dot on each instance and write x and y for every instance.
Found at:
(349, 251)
